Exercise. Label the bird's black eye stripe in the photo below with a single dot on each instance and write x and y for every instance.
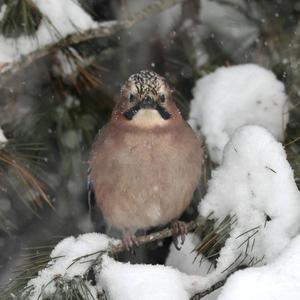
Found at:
(131, 97)
(130, 113)
(162, 98)
(163, 112)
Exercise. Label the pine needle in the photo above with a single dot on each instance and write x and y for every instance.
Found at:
(21, 17)
(36, 258)
(215, 236)
(33, 185)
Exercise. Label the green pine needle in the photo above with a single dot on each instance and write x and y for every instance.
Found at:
(21, 17)
(35, 260)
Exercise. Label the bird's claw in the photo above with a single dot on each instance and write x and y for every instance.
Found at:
(178, 229)
(129, 241)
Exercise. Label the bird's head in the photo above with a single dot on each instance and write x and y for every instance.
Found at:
(146, 101)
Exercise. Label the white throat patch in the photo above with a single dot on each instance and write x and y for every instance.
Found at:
(148, 118)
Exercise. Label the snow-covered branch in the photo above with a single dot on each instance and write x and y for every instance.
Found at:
(20, 53)
(72, 260)
(208, 291)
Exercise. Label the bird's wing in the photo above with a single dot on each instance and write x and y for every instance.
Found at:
(95, 214)
(91, 193)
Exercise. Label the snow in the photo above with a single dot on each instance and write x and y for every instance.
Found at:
(278, 280)
(63, 256)
(65, 15)
(2, 11)
(68, 66)
(3, 139)
(255, 182)
(64, 18)
(123, 281)
(235, 96)
(184, 260)
(119, 280)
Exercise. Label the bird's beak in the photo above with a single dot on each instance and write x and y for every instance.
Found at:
(148, 103)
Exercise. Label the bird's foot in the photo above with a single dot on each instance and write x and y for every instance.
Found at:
(129, 241)
(178, 229)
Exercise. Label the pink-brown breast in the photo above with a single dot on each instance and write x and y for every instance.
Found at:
(145, 178)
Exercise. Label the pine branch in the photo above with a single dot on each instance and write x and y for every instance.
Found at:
(105, 29)
(21, 17)
(38, 262)
(214, 287)
(78, 287)
(195, 225)
(20, 180)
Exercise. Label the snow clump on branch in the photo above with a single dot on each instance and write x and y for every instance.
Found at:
(235, 96)
(255, 184)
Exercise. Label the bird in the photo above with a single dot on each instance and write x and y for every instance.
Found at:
(146, 162)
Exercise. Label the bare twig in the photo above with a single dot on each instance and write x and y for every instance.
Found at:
(160, 235)
(104, 29)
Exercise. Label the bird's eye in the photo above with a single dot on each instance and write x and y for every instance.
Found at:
(131, 97)
(162, 98)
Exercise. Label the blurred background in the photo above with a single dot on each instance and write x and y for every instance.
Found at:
(51, 110)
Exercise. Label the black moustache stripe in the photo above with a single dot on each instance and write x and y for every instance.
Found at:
(130, 113)
(163, 112)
